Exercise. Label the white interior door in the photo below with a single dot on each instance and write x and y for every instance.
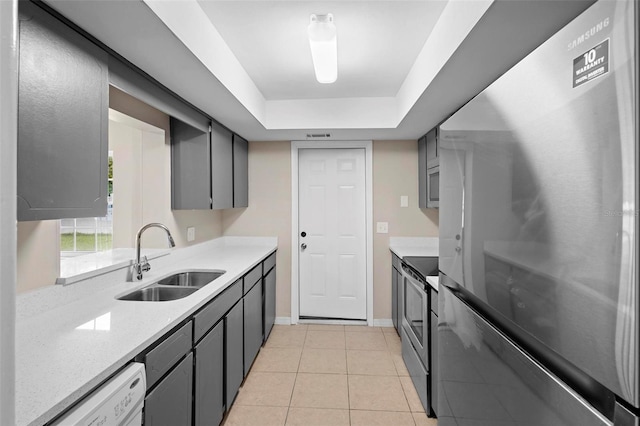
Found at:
(332, 233)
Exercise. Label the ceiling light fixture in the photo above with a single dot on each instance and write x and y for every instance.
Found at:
(324, 47)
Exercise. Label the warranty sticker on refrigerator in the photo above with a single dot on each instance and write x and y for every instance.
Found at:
(591, 64)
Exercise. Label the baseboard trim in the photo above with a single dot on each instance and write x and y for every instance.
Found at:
(382, 322)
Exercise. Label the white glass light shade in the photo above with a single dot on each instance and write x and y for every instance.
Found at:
(324, 47)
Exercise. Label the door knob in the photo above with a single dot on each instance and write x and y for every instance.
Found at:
(303, 246)
(458, 249)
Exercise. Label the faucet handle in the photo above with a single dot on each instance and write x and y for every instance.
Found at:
(138, 268)
(144, 264)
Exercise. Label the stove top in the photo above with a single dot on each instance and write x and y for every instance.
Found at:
(425, 266)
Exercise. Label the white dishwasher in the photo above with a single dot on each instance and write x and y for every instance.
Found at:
(118, 402)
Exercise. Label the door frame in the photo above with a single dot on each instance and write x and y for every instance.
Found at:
(295, 253)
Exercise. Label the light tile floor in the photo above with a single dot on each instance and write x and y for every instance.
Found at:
(329, 375)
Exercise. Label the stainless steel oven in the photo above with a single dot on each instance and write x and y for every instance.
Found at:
(415, 313)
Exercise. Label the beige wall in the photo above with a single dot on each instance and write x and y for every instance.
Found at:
(269, 211)
(38, 242)
(395, 173)
(38, 259)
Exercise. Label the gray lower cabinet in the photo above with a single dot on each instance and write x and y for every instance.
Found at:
(394, 297)
(396, 292)
(240, 172)
(62, 120)
(252, 325)
(269, 283)
(434, 362)
(209, 380)
(234, 355)
(202, 363)
(170, 402)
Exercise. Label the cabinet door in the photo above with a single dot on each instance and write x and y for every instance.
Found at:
(432, 147)
(400, 300)
(422, 172)
(394, 297)
(209, 389)
(240, 172)
(269, 302)
(222, 167)
(63, 118)
(190, 186)
(433, 377)
(252, 325)
(170, 403)
(233, 344)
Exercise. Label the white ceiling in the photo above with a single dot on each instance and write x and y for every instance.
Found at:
(404, 66)
(378, 43)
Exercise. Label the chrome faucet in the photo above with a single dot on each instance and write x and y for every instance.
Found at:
(142, 265)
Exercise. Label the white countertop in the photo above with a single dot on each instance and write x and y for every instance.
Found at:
(434, 282)
(414, 246)
(71, 338)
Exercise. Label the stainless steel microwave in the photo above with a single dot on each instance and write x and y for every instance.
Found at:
(433, 187)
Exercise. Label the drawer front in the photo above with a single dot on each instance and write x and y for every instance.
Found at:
(252, 277)
(164, 356)
(215, 310)
(396, 262)
(268, 263)
(418, 374)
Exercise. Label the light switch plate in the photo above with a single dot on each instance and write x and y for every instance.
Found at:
(382, 227)
(404, 201)
(191, 233)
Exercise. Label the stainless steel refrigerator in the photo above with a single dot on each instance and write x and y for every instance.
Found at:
(539, 296)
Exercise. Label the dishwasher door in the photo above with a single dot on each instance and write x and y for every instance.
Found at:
(118, 402)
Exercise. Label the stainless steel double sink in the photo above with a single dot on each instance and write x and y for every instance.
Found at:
(174, 286)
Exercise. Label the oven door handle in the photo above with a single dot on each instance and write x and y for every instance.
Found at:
(414, 282)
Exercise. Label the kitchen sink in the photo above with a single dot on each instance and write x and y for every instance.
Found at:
(173, 287)
(155, 293)
(191, 278)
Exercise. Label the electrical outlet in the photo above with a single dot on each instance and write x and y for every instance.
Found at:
(191, 233)
(404, 201)
(382, 227)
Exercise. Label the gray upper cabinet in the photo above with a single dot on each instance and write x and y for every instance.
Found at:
(62, 120)
(222, 167)
(432, 148)
(240, 172)
(428, 169)
(190, 187)
(209, 169)
(422, 172)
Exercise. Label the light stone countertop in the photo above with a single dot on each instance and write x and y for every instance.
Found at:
(414, 246)
(69, 339)
(434, 282)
